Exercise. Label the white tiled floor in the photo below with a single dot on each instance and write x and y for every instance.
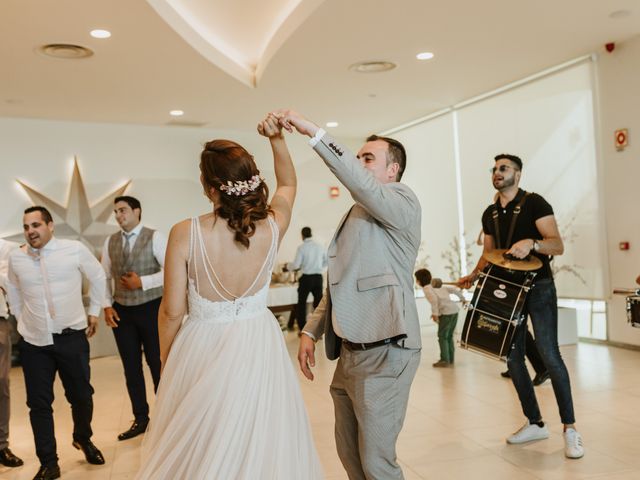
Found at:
(455, 427)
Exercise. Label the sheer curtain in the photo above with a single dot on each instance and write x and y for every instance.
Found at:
(549, 123)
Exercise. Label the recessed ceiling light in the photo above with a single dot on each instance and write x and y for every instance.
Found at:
(620, 14)
(100, 33)
(332, 124)
(372, 67)
(176, 113)
(424, 56)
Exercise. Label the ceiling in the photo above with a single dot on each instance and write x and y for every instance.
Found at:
(226, 63)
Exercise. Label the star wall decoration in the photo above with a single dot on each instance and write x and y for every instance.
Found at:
(77, 220)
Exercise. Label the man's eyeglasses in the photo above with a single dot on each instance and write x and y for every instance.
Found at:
(501, 169)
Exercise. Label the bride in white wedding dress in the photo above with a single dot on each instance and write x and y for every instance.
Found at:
(229, 404)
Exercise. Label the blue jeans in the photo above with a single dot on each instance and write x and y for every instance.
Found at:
(542, 307)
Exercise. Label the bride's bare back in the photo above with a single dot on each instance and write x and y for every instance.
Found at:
(221, 268)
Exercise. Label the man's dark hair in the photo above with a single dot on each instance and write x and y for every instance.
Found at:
(133, 202)
(397, 153)
(46, 215)
(512, 158)
(423, 276)
(306, 232)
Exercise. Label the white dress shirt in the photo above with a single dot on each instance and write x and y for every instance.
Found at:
(159, 246)
(5, 249)
(65, 262)
(311, 258)
(441, 299)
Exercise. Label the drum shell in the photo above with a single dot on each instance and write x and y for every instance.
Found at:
(633, 310)
(495, 311)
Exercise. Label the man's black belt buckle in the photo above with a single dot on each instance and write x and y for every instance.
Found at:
(368, 346)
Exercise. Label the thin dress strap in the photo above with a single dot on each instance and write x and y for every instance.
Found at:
(275, 234)
(209, 270)
(192, 253)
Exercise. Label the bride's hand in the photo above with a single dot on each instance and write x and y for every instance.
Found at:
(270, 127)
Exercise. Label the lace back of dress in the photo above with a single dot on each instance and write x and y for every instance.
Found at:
(209, 283)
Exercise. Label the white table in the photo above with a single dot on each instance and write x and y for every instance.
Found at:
(282, 294)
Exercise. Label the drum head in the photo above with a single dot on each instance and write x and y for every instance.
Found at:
(497, 257)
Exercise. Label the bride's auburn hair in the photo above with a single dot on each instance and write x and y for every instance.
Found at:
(225, 161)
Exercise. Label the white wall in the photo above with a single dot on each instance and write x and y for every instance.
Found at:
(619, 79)
(431, 174)
(162, 163)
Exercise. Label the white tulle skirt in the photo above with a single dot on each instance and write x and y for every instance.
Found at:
(229, 407)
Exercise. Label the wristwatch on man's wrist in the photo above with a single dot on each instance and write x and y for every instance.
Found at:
(536, 245)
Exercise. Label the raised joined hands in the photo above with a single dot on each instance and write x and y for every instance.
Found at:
(290, 121)
(270, 127)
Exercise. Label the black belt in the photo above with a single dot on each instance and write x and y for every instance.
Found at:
(367, 346)
(66, 331)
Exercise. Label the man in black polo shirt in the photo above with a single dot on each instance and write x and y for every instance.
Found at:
(535, 233)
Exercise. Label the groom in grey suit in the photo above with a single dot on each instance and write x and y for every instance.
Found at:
(368, 315)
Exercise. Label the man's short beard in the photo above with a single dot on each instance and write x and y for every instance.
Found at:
(506, 183)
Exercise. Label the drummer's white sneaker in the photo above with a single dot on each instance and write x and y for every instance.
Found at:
(528, 433)
(573, 444)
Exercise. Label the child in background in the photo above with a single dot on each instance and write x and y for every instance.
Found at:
(444, 311)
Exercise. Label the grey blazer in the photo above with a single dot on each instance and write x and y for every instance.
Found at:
(371, 259)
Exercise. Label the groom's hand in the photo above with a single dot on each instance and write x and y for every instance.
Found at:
(270, 127)
(290, 120)
(306, 355)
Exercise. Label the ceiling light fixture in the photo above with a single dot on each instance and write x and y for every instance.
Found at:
(619, 14)
(100, 33)
(424, 56)
(332, 124)
(65, 50)
(372, 67)
(176, 113)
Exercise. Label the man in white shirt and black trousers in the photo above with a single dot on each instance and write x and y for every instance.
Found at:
(311, 260)
(45, 294)
(133, 260)
(7, 458)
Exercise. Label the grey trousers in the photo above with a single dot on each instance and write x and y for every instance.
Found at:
(5, 368)
(370, 391)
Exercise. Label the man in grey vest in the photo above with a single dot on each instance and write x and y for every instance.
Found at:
(133, 260)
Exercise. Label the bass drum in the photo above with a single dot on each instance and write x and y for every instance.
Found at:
(496, 311)
(633, 310)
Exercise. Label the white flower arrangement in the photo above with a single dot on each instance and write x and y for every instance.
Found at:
(242, 187)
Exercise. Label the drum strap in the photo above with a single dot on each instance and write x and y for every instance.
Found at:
(514, 218)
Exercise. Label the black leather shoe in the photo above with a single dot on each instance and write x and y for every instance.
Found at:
(137, 428)
(8, 459)
(505, 374)
(91, 452)
(540, 378)
(48, 473)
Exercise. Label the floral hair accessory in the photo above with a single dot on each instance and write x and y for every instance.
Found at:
(241, 187)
